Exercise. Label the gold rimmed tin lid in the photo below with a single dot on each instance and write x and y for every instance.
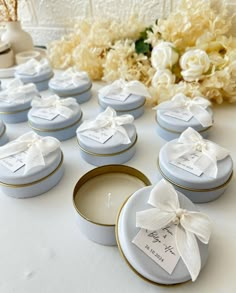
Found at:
(105, 175)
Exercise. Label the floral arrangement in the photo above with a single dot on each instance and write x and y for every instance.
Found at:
(187, 53)
(8, 10)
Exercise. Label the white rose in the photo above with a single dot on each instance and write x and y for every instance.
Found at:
(193, 64)
(164, 56)
(164, 77)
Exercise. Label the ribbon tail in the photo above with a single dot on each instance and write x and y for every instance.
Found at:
(126, 139)
(188, 249)
(153, 219)
(34, 159)
(202, 115)
(64, 111)
(11, 149)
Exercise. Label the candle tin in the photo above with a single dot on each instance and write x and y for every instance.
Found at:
(99, 231)
(199, 189)
(13, 112)
(3, 136)
(60, 127)
(110, 152)
(37, 181)
(40, 79)
(82, 93)
(170, 128)
(136, 259)
(133, 105)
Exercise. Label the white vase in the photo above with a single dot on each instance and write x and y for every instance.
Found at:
(19, 39)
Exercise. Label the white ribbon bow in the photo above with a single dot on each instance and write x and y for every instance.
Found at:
(189, 225)
(18, 93)
(33, 67)
(196, 106)
(62, 107)
(109, 119)
(190, 141)
(120, 86)
(70, 77)
(36, 147)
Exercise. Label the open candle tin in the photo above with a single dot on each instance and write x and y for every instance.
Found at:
(133, 105)
(99, 194)
(170, 128)
(136, 259)
(3, 136)
(199, 189)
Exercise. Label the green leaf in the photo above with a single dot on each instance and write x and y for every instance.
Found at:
(142, 48)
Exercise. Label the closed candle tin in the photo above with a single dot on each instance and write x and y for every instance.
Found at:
(37, 181)
(98, 196)
(110, 152)
(3, 135)
(199, 189)
(40, 79)
(170, 128)
(136, 259)
(60, 127)
(133, 105)
(82, 92)
(13, 112)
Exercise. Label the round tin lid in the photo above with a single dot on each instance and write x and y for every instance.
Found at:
(189, 180)
(4, 46)
(137, 260)
(112, 145)
(71, 90)
(131, 103)
(57, 122)
(177, 125)
(42, 76)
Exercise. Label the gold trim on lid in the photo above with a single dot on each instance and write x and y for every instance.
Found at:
(55, 129)
(179, 132)
(34, 182)
(58, 92)
(14, 112)
(126, 110)
(126, 260)
(107, 155)
(108, 169)
(192, 189)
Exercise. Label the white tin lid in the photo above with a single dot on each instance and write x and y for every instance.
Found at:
(137, 260)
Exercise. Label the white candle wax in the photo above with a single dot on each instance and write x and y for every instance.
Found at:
(100, 198)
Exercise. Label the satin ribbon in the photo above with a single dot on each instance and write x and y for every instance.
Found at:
(189, 225)
(35, 146)
(109, 119)
(18, 93)
(191, 141)
(196, 106)
(70, 77)
(62, 107)
(120, 86)
(33, 67)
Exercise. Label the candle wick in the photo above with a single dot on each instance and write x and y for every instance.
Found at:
(109, 200)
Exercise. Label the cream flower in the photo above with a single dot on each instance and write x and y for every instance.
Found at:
(163, 76)
(194, 63)
(164, 56)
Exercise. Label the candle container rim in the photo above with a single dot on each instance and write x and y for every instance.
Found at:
(102, 170)
(126, 260)
(193, 189)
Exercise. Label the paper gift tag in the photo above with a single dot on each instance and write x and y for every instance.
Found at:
(186, 163)
(180, 114)
(119, 97)
(100, 135)
(45, 113)
(15, 162)
(159, 246)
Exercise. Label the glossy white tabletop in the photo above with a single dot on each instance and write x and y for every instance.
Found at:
(43, 251)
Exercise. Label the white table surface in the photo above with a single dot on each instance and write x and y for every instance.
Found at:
(43, 251)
